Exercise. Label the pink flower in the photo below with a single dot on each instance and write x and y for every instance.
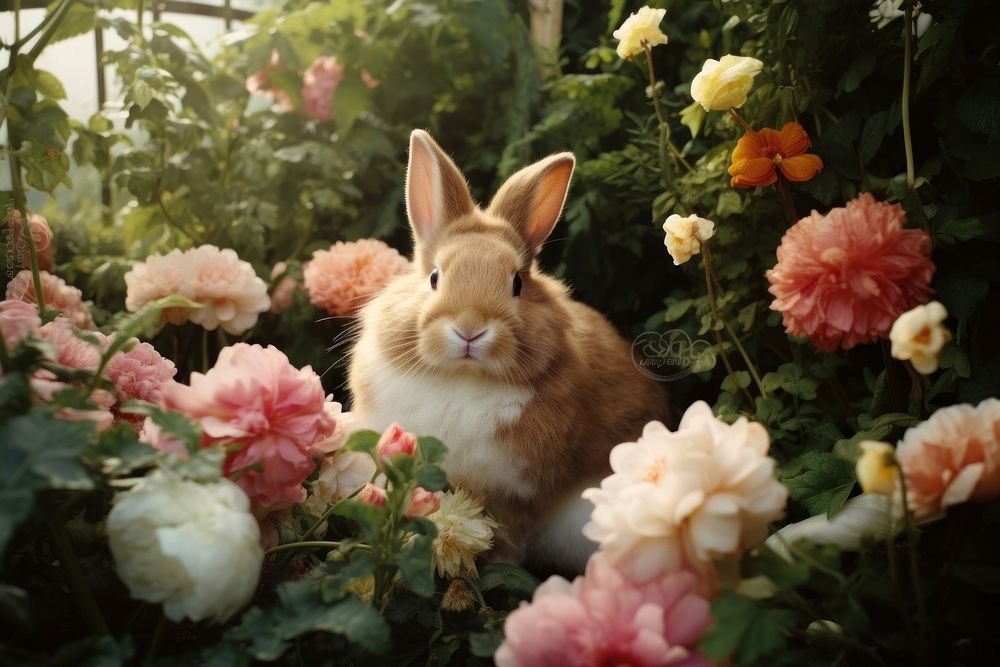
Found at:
(17, 319)
(368, 79)
(372, 495)
(228, 289)
(603, 618)
(843, 278)
(58, 296)
(342, 279)
(321, 78)
(259, 83)
(952, 458)
(283, 292)
(158, 439)
(140, 373)
(40, 232)
(72, 351)
(269, 412)
(394, 441)
(423, 502)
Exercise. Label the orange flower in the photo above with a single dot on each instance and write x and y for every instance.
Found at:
(758, 156)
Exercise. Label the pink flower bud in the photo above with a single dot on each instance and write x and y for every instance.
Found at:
(372, 495)
(395, 441)
(423, 502)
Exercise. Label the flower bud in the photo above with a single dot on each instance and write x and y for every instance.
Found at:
(395, 441)
(876, 469)
(372, 495)
(423, 502)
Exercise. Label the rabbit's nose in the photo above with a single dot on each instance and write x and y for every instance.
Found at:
(469, 338)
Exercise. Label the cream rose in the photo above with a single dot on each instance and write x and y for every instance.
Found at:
(684, 236)
(918, 336)
(641, 26)
(724, 83)
(193, 547)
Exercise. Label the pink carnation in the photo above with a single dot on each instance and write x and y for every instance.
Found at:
(259, 83)
(603, 618)
(843, 278)
(342, 279)
(40, 232)
(17, 319)
(274, 414)
(321, 78)
(58, 296)
(952, 458)
(141, 373)
(231, 294)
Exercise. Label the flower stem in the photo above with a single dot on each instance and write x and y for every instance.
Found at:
(786, 194)
(907, 71)
(740, 119)
(716, 317)
(85, 602)
(664, 128)
(154, 644)
(918, 593)
(314, 544)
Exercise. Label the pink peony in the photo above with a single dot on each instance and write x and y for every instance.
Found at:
(952, 458)
(73, 351)
(271, 413)
(58, 296)
(394, 441)
(321, 78)
(40, 232)
(603, 618)
(342, 279)
(141, 373)
(283, 293)
(259, 83)
(843, 278)
(17, 319)
(231, 294)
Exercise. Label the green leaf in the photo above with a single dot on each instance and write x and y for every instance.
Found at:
(363, 441)
(119, 450)
(819, 481)
(877, 128)
(368, 517)
(954, 230)
(342, 573)
(432, 450)
(203, 466)
(15, 505)
(417, 567)
(745, 631)
(692, 117)
(432, 478)
(494, 574)
(485, 644)
(49, 448)
(147, 319)
(350, 100)
(140, 94)
(47, 84)
(174, 423)
(80, 18)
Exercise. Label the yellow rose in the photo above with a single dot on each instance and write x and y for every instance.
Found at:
(642, 26)
(918, 335)
(722, 84)
(684, 236)
(876, 470)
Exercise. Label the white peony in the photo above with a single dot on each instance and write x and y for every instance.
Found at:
(918, 336)
(641, 26)
(193, 547)
(684, 499)
(684, 236)
(863, 517)
(725, 83)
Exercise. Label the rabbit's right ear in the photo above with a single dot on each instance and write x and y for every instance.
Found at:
(436, 192)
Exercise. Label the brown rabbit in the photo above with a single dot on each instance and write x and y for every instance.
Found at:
(528, 389)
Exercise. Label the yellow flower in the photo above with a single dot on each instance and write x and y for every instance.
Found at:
(918, 336)
(722, 84)
(464, 532)
(642, 26)
(876, 469)
(684, 236)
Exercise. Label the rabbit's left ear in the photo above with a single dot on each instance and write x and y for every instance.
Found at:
(436, 192)
(532, 199)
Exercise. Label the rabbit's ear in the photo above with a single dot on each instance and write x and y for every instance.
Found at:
(532, 199)
(436, 192)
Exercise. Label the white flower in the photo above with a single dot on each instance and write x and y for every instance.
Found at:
(464, 532)
(683, 499)
(884, 12)
(876, 469)
(725, 83)
(641, 26)
(684, 236)
(193, 547)
(342, 474)
(862, 517)
(918, 336)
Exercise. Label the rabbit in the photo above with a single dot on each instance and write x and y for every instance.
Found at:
(527, 388)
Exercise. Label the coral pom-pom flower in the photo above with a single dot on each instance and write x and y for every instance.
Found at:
(760, 155)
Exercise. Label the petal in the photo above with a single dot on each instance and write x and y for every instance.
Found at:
(747, 147)
(801, 167)
(755, 172)
(792, 140)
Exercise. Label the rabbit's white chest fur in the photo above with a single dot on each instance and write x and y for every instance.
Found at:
(464, 413)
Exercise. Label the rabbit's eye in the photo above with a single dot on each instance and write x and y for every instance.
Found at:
(434, 279)
(517, 284)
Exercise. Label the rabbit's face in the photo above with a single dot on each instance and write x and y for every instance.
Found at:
(471, 312)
